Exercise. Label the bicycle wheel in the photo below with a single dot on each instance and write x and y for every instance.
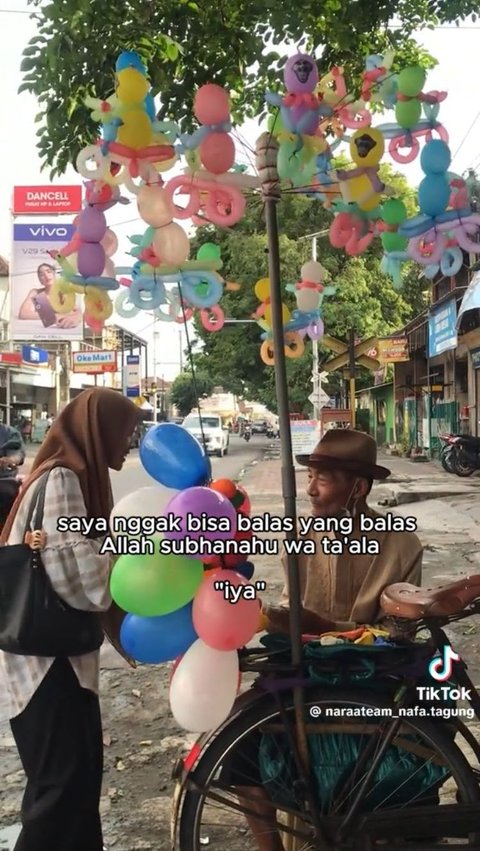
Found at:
(395, 814)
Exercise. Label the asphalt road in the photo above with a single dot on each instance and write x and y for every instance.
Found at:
(133, 476)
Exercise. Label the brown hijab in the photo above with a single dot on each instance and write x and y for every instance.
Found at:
(88, 437)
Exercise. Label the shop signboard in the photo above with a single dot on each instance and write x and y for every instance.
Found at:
(132, 376)
(442, 331)
(475, 355)
(41, 200)
(34, 357)
(393, 350)
(92, 363)
(305, 436)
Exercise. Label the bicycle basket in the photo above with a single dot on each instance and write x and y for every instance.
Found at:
(401, 776)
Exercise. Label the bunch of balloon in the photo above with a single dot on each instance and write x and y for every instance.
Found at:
(301, 110)
(225, 611)
(294, 346)
(309, 293)
(131, 138)
(90, 250)
(157, 588)
(409, 101)
(394, 245)
(431, 233)
(214, 191)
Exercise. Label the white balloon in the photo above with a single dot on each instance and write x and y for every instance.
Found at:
(145, 502)
(204, 687)
(313, 271)
(307, 300)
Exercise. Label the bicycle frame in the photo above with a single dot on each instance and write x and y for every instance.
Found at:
(385, 732)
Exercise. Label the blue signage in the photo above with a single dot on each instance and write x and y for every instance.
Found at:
(442, 331)
(37, 357)
(132, 376)
(43, 233)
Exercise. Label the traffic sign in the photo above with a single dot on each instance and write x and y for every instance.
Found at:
(319, 398)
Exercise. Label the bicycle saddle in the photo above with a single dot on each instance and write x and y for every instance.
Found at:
(403, 600)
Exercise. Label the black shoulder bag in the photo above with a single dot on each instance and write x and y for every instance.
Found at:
(34, 620)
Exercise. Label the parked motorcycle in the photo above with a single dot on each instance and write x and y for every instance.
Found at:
(448, 451)
(466, 457)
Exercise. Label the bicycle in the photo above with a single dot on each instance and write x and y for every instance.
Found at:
(361, 811)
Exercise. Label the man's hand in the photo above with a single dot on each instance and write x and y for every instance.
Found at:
(278, 620)
(8, 463)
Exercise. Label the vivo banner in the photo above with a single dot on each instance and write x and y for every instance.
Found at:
(34, 304)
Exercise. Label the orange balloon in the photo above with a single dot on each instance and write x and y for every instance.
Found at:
(225, 487)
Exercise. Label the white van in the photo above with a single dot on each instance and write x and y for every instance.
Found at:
(217, 437)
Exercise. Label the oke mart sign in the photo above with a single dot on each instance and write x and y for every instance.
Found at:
(94, 362)
(38, 200)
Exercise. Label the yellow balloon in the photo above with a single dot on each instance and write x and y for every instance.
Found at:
(61, 296)
(98, 303)
(262, 289)
(286, 315)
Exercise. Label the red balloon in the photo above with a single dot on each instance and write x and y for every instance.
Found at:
(211, 104)
(218, 621)
(246, 506)
(217, 153)
(95, 324)
(232, 559)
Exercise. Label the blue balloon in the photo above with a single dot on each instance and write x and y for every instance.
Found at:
(247, 569)
(130, 59)
(149, 104)
(435, 157)
(433, 195)
(173, 457)
(161, 639)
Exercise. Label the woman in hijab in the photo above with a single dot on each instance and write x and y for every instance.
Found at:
(54, 705)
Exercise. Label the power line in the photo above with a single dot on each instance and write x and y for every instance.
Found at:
(467, 134)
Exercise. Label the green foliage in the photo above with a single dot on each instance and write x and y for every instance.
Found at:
(187, 43)
(184, 390)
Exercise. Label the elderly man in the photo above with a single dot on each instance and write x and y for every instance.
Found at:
(339, 591)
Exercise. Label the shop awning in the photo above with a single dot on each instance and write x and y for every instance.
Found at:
(471, 299)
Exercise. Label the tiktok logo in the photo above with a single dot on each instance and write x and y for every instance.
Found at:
(441, 667)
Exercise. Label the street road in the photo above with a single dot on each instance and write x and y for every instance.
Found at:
(240, 454)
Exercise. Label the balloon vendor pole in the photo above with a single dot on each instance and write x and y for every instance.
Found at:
(271, 196)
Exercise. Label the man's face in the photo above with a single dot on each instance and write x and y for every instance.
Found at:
(329, 492)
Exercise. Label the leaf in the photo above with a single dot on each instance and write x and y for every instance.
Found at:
(27, 64)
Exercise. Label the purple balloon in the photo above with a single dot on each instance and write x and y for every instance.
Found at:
(91, 260)
(201, 504)
(91, 225)
(301, 73)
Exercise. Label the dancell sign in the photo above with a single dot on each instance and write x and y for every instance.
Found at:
(38, 200)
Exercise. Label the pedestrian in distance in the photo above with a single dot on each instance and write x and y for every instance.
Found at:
(54, 705)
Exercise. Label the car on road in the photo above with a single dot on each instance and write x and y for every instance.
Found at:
(216, 435)
(259, 427)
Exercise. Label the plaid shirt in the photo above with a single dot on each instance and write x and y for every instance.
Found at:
(79, 575)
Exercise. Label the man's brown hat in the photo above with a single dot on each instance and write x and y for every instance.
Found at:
(347, 450)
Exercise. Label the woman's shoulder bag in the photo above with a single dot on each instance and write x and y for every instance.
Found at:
(34, 620)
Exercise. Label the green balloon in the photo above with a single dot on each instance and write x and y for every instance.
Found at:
(411, 81)
(394, 242)
(408, 113)
(275, 124)
(394, 211)
(152, 585)
(208, 251)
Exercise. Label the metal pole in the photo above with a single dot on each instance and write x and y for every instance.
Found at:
(315, 381)
(351, 356)
(180, 338)
(8, 399)
(155, 361)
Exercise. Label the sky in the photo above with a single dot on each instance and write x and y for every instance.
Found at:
(458, 73)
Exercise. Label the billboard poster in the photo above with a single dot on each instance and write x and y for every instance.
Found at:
(442, 329)
(132, 376)
(393, 350)
(32, 274)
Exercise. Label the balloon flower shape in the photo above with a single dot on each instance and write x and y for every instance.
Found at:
(293, 343)
(216, 149)
(394, 245)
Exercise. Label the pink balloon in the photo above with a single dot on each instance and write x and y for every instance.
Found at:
(91, 225)
(95, 324)
(212, 104)
(217, 152)
(109, 271)
(219, 622)
(109, 242)
(171, 244)
(91, 259)
(301, 73)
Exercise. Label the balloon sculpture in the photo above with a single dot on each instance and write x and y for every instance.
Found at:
(176, 611)
(135, 150)
(364, 208)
